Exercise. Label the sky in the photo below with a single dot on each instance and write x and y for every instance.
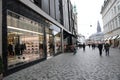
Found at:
(88, 13)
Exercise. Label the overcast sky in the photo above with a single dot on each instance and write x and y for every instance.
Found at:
(88, 14)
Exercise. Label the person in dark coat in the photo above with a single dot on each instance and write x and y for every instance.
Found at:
(106, 47)
(100, 47)
(73, 47)
(83, 46)
(93, 46)
(89, 45)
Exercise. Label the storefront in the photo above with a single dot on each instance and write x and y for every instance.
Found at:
(118, 38)
(28, 39)
(69, 39)
(115, 41)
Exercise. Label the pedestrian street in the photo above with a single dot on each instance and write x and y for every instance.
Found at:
(85, 65)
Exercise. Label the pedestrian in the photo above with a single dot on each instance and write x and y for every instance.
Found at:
(74, 49)
(93, 46)
(83, 46)
(106, 47)
(100, 47)
(89, 45)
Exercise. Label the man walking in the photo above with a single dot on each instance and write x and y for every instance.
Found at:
(83, 46)
(100, 47)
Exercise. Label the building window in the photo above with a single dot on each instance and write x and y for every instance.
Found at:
(113, 24)
(115, 9)
(116, 22)
(119, 8)
(119, 20)
(25, 39)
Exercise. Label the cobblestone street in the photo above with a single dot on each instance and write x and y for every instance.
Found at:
(86, 65)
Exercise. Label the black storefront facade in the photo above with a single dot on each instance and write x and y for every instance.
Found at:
(28, 37)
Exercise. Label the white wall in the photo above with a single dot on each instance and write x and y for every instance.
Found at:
(110, 15)
(0, 27)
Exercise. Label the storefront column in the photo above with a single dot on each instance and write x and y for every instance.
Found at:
(1, 64)
(4, 35)
(70, 42)
(62, 42)
(0, 27)
(45, 43)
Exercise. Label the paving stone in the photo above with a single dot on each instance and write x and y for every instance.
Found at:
(86, 65)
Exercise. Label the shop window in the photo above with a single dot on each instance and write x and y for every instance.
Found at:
(118, 8)
(24, 40)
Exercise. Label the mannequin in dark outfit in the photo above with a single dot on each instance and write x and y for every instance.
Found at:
(17, 49)
(22, 48)
(10, 49)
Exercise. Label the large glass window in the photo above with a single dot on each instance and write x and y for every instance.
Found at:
(53, 39)
(57, 37)
(118, 7)
(49, 42)
(25, 39)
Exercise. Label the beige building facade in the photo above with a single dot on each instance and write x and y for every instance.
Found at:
(111, 21)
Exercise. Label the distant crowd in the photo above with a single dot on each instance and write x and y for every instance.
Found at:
(101, 47)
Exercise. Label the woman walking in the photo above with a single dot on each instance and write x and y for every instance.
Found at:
(106, 47)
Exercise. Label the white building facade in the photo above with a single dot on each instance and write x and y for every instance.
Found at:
(97, 37)
(81, 39)
(111, 21)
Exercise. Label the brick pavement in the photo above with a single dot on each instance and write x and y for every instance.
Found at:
(86, 65)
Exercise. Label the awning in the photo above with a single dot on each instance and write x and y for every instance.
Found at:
(118, 37)
(114, 37)
(105, 39)
(109, 38)
(78, 41)
(66, 34)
